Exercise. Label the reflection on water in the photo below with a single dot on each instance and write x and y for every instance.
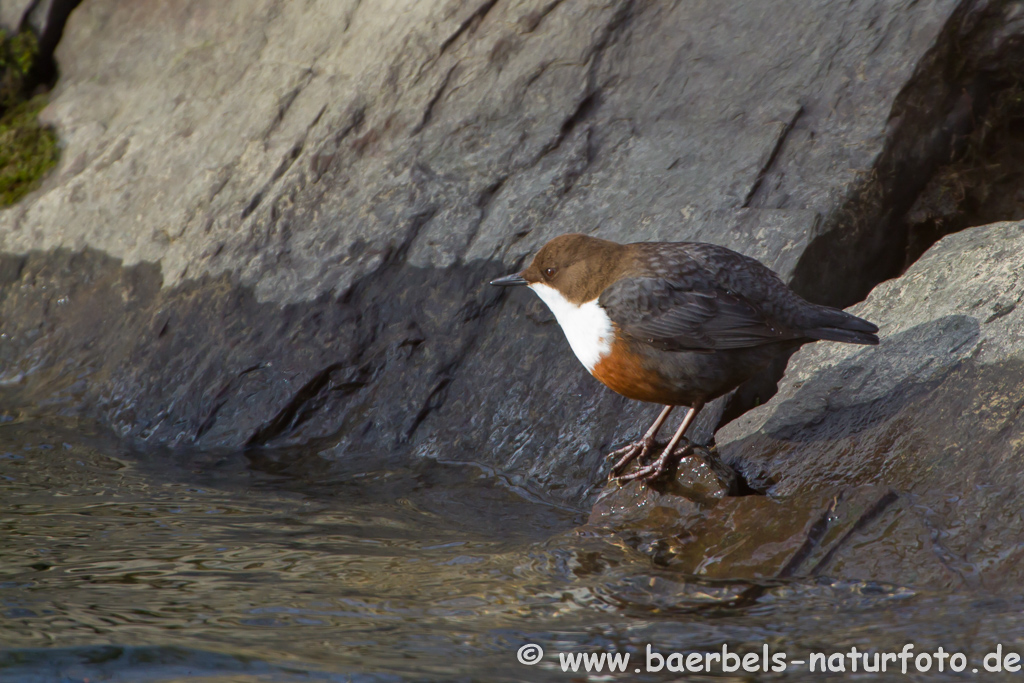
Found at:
(117, 566)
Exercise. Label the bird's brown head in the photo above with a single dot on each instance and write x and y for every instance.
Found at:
(580, 267)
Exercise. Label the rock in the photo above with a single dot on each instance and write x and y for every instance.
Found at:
(273, 222)
(699, 479)
(696, 523)
(13, 12)
(930, 423)
(654, 518)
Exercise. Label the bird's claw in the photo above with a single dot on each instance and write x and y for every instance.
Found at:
(656, 469)
(627, 454)
(645, 474)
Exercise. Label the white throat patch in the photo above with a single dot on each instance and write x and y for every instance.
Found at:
(587, 327)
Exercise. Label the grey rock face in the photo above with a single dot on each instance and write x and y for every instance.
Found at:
(273, 222)
(930, 424)
(12, 12)
(321, 130)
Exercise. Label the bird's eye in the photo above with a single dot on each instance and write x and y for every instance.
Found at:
(549, 273)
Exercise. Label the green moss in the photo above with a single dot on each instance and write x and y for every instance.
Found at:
(27, 150)
(23, 50)
(17, 54)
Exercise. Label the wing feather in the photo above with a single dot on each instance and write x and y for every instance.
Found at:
(689, 315)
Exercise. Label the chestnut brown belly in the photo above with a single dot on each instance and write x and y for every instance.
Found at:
(682, 378)
(626, 373)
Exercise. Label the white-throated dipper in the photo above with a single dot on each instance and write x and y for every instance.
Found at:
(675, 323)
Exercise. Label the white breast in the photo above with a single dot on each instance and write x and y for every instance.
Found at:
(587, 327)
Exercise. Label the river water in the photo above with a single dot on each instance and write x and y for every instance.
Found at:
(175, 566)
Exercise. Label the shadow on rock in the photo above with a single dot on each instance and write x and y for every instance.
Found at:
(871, 388)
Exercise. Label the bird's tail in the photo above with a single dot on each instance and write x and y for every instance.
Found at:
(831, 324)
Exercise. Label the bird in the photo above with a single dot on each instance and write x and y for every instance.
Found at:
(674, 323)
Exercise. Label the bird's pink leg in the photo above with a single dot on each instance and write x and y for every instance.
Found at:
(639, 448)
(658, 467)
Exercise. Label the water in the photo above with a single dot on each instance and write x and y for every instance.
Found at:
(119, 566)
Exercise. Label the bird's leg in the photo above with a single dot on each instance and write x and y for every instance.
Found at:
(658, 467)
(639, 448)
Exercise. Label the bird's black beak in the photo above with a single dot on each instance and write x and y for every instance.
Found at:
(510, 281)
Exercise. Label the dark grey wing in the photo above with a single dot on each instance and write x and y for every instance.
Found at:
(689, 315)
(761, 287)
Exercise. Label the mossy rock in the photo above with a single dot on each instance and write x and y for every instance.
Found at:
(17, 55)
(27, 150)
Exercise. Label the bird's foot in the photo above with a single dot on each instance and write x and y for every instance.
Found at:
(629, 453)
(651, 472)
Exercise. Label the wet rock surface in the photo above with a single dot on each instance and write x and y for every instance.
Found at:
(273, 223)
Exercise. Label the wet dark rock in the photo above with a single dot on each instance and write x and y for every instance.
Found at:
(699, 479)
(694, 522)
(280, 233)
(657, 518)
